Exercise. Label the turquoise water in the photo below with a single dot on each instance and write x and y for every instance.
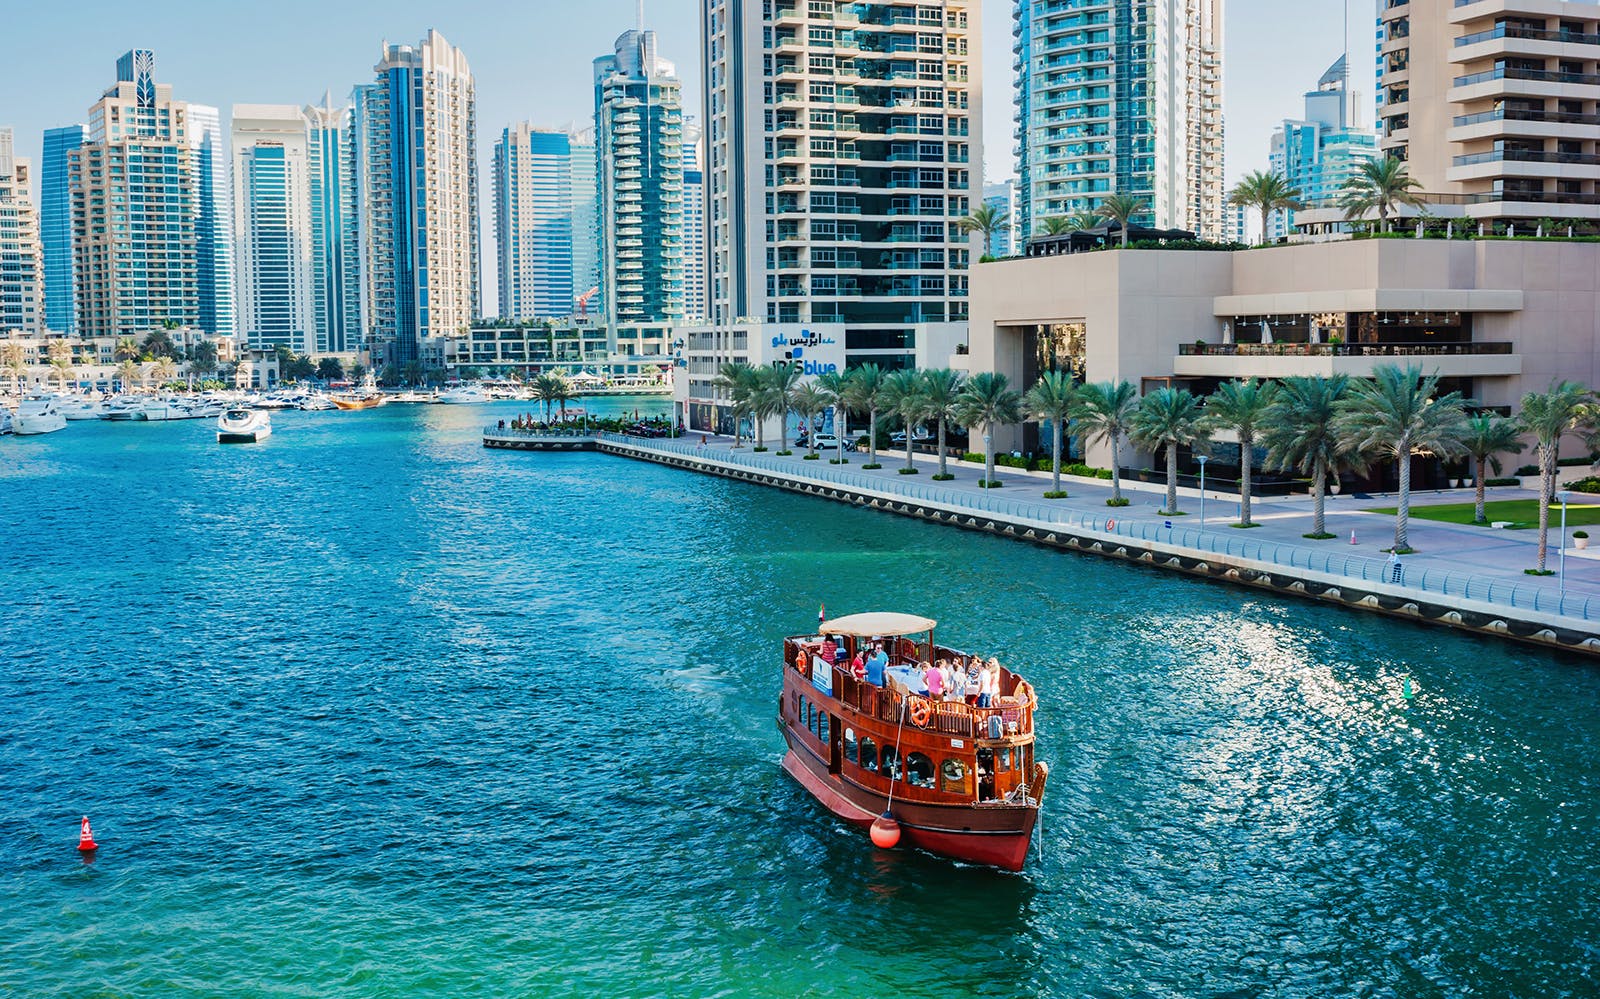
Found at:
(367, 710)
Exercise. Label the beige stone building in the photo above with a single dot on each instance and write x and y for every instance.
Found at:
(1493, 104)
(1494, 318)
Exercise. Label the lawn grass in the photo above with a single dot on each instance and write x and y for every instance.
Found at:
(1523, 513)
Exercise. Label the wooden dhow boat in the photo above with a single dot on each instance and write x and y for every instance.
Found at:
(946, 776)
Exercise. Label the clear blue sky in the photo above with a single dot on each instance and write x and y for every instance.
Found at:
(532, 59)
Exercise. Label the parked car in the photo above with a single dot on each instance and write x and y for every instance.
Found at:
(829, 442)
(918, 434)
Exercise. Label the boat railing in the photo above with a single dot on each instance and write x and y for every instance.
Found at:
(1012, 716)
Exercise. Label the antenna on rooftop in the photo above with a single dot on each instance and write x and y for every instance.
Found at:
(641, 14)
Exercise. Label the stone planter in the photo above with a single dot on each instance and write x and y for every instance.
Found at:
(1580, 543)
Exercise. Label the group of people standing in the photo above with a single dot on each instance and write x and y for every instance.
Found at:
(975, 681)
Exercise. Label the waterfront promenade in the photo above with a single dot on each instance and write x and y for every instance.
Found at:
(1465, 576)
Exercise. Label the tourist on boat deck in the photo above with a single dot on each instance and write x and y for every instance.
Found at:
(972, 681)
(877, 665)
(828, 649)
(858, 666)
(989, 692)
(934, 679)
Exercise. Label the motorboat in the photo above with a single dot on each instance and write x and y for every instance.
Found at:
(159, 408)
(5, 421)
(317, 401)
(243, 426)
(465, 395)
(947, 776)
(38, 416)
(79, 407)
(123, 408)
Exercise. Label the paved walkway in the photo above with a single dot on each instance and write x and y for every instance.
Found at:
(1459, 550)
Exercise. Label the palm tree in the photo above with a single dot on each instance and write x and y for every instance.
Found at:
(1121, 209)
(1105, 412)
(865, 396)
(128, 349)
(1170, 418)
(988, 400)
(740, 381)
(1060, 225)
(1267, 193)
(835, 388)
(1053, 397)
(165, 370)
(158, 343)
(988, 221)
(1055, 225)
(1242, 406)
(559, 390)
(1300, 436)
(545, 389)
(1487, 437)
(776, 396)
(809, 401)
(1380, 184)
(127, 371)
(63, 369)
(412, 371)
(941, 388)
(16, 365)
(1394, 415)
(902, 395)
(1565, 408)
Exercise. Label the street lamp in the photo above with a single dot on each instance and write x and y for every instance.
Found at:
(1563, 570)
(1202, 460)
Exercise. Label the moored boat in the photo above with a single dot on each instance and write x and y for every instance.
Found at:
(956, 779)
(366, 396)
(243, 426)
(39, 416)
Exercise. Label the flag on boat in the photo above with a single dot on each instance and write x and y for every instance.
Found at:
(822, 613)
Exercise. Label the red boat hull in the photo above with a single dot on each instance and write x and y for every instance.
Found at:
(996, 835)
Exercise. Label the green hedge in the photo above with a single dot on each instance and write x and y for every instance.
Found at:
(1502, 482)
(1586, 485)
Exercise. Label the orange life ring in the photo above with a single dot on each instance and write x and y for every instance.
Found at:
(1111, 524)
(921, 712)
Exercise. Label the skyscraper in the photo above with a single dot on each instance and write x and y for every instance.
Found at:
(585, 217)
(21, 262)
(1002, 197)
(135, 205)
(639, 136)
(1120, 97)
(213, 222)
(533, 219)
(694, 227)
(272, 213)
(334, 271)
(842, 151)
(55, 228)
(1318, 153)
(416, 159)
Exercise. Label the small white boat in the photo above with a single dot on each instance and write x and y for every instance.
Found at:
(82, 408)
(243, 426)
(5, 420)
(38, 416)
(316, 402)
(158, 408)
(123, 408)
(465, 395)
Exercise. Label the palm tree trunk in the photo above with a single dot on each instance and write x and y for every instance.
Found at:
(872, 435)
(1055, 457)
(1264, 214)
(942, 472)
(988, 457)
(909, 421)
(1477, 511)
(1402, 515)
(1172, 477)
(783, 429)
(838, 430)
(1319, 492)
(1547, 488)
(1246, 453)
(1116, 470)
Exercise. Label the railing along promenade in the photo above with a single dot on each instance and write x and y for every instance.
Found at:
(1457, 586)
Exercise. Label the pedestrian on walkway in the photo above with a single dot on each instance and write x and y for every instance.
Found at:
(1396, 570)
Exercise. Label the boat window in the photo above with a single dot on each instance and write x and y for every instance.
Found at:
(891, 763)
(953, 773)
(869, 754)
(801, 711)
(1003, 759)
(822, 726)
(850, 745)
(919, 770)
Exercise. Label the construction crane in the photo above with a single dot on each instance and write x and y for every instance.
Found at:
(583, 300)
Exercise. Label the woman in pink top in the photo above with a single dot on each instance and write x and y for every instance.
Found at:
(934, 679)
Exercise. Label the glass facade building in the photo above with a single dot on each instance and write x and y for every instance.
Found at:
(213, 222)
(534, 224)
(334, 274)
(272, 210)
(55, 227)
(1319, 152)
(21, 262)
(639, 141)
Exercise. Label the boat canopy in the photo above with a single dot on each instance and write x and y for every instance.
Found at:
(877, 624)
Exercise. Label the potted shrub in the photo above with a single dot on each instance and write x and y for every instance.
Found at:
(1580, 539)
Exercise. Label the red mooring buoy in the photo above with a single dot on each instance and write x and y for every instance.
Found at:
(885, 832)
(86, 841)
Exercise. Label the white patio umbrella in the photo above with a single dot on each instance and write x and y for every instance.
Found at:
(1266, 332)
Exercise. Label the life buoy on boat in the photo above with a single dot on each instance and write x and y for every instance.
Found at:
(1111, 524)
(921, 712)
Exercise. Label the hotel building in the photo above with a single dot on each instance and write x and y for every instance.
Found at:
(639, 136)
(21, 259)
(272, 214)
(1494, 104)
(416, 173)
(1119, 97)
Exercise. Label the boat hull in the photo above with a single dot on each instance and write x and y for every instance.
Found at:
(351, 404)
(44, 423)
(996, 835)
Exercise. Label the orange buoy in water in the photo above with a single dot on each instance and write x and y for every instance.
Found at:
(885, 832)
(86, 841)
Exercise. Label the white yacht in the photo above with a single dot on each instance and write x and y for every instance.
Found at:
(39, 416)
(316, 402)
(122, 408)
(80, 407)
(243, 426)
(465, 395)
(5, 420)
(164, 408)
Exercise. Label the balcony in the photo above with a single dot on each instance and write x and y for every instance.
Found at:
(1357, 360)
